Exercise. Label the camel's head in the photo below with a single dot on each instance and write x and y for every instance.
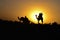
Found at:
(35, 15)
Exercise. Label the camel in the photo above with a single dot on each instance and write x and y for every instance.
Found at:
(39, 18)
(24, 20)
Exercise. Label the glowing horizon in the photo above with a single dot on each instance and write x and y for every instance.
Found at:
(11, 9)
(34, 12)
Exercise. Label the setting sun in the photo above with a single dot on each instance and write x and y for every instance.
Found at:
(36, 12)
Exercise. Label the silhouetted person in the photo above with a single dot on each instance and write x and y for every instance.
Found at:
(39, 17)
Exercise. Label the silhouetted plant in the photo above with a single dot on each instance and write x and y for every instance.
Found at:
(54, 23)
(10, 26)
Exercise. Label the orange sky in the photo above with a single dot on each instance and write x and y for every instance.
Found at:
(11, 9)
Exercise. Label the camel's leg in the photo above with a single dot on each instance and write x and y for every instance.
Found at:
(38, 21)
(42, 20)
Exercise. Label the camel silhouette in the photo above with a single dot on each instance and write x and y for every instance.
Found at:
(39, 18)
(24, 20)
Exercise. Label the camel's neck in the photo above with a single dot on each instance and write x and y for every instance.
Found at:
(36, 16)
(18, 18)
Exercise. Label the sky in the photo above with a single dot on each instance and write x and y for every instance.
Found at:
(11, 9)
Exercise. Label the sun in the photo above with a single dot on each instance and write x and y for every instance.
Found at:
(33, 17)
